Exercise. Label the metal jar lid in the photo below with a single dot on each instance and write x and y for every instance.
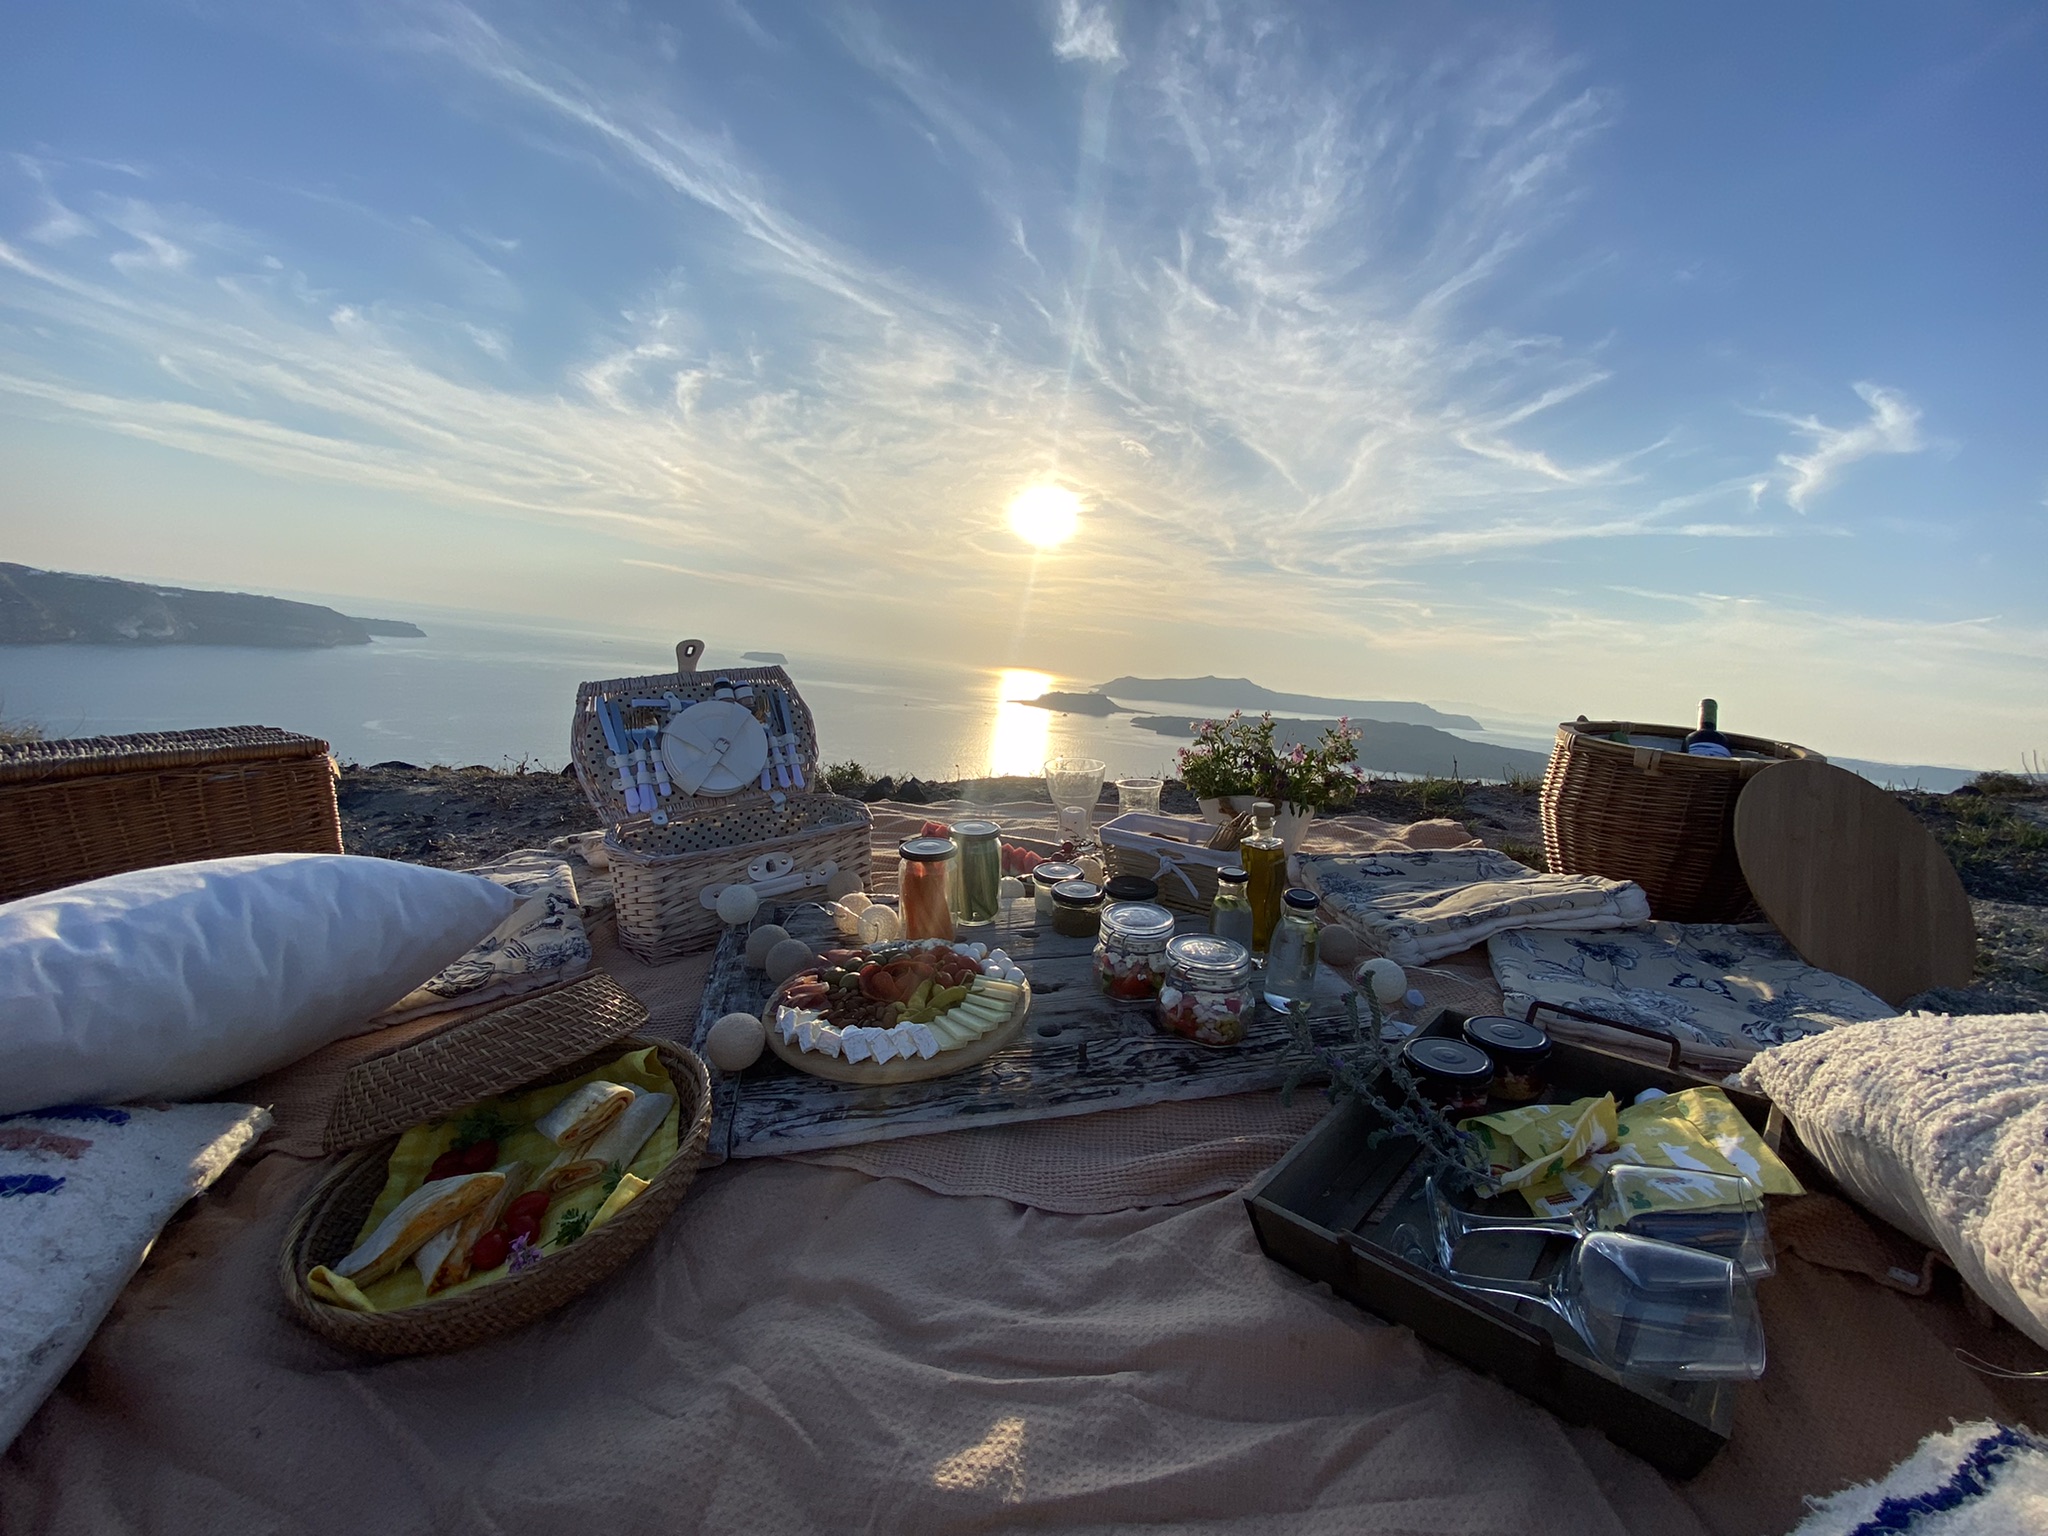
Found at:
(1050, 874)
(1232, 874)
(926, 850)
(1205, 957)
(1449, 1061)
(1077, 893)
(1137, 920)
(1507, 1040)
(1131, 888)
(976, 829)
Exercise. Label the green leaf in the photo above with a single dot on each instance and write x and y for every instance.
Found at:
(572, 1226)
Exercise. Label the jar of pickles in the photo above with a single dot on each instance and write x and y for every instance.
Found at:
(981, 871)
(926, 904)
(1130, 955)
(1043, 879)
(1208, 991)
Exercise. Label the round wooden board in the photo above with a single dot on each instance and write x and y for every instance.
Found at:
(1854, 881)
(888, 1074)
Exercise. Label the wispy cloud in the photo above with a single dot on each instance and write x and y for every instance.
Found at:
(1084, 33)
(1893, 427)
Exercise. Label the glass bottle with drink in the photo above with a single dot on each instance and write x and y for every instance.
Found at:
(1264, 858)
(1708, 741)
(1291, 953)
(1231, 916)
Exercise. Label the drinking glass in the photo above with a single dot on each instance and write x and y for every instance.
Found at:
(1139, 795)
(1074, 781)
(1715, 1212)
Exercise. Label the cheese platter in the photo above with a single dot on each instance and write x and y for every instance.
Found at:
(897, 1013)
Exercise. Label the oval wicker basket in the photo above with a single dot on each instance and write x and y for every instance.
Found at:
(328, 1224)
(1663, 819)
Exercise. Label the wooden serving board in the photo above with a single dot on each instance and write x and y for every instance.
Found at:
(887, 1074)
(1856, 884)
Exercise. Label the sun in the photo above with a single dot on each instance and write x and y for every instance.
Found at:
(1045, 516)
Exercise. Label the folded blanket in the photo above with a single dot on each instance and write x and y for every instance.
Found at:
(540, 945)
(1418, 907)
(1727, 991)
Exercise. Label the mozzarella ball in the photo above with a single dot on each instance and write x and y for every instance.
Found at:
(737, 904)
(761, 940)
(734, 1043)
(1387, 980)
(786, 959)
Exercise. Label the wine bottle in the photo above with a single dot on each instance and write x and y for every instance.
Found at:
(1708, 741)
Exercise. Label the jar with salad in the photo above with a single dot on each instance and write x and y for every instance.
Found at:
(1130, 954)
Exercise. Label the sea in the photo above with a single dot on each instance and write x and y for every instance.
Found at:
(500, 693)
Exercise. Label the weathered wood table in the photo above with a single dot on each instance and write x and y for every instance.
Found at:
(1079, 1053)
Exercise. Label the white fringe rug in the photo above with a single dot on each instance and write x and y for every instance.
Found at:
(1979, 1479)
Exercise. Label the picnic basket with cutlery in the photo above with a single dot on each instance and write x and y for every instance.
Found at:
(710, 780)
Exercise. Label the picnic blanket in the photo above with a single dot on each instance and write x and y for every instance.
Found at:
(1415, 907)
(1727, 991)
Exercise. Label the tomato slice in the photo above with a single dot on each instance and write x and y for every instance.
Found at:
(489, 1251)
(532, 1205)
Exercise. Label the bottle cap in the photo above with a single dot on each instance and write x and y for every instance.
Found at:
(1232, 875)
(1262, 808)
(1302, 900)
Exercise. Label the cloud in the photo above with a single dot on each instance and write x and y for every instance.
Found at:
(1893, 427)
(1083, 33)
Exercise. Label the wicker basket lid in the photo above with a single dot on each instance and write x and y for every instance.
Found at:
(70, 757)
(591, 752)
(479, 1058)
(1598, 736)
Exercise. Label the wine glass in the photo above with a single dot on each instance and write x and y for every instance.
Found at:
(1074, 781)
(1715, 1212)
(1641, 1306)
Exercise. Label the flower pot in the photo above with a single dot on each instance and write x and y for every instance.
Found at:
(1217, 811)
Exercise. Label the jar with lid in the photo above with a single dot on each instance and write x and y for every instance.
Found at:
(981, 871)
(1043, 879)
(1208, 991)
(1231, 915)
(1076, 909)
(1520, 1053)
(1130, 956)
(1291, 953)
(922, 885)
(1451, 1074)
(1130, 888)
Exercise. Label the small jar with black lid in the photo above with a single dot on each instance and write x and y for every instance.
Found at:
(1452, 1075)
(1130, 888)
(1076, 909)
(1520, 1054)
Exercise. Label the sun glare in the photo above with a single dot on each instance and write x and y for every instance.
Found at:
(1017, 741)
(1045, 516)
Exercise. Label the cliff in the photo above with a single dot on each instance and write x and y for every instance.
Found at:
(56, 607)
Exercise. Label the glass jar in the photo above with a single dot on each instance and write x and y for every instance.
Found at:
(1130, 956)
(1264, 857)
(1130, 888)
(981, 871)
(926, 903)
(1291, 953)
(1208, 991)
(1452, 1075)
(1520, 1053)
(1076, 909)
(1043, 879)
(1231, 915)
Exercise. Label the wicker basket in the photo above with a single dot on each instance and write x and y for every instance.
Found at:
(1661, 818)
(82, 807)
(1169, 850)
(329, 1223)
(660, 872)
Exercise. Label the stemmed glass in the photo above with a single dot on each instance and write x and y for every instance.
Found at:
(1074, 781)
(1714, 1212)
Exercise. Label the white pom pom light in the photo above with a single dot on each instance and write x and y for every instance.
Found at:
(734, 1043)
(737, 904)
(1387, 980)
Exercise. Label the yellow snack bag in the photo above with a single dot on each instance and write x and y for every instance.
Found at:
(1594, 1129)
(1704, 1121)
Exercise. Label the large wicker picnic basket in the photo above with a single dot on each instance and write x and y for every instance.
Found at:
(548, 1039)
(1653, 814)
(81, 807)
(661, 871)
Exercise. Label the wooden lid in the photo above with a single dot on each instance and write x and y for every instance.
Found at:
(1856, 884)
(591, 753)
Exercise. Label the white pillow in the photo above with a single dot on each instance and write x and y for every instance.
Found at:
(177, 982)
(1938, 1125)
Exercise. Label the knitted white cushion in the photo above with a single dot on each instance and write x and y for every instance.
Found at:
(1939, 1125)
(177, 982)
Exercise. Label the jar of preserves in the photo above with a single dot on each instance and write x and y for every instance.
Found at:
(1130, 956)
(1076, 909)
(1043, 879)
(926, 904)
(1449, 1073)
(1130, 888)
(1231, 916)
(1208, 991)
(1520, 1053)
(981, 871)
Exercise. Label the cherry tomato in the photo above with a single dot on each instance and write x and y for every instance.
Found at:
(448, 1165)
(533, 1206)
(481, 1157)
(527, 1227)
(489, 1251)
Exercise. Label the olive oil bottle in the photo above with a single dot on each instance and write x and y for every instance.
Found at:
(1264, 858)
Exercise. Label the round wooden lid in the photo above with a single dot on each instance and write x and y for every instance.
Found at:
(1856, 884)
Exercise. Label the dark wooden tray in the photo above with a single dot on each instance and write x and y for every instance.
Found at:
(1331, 1208)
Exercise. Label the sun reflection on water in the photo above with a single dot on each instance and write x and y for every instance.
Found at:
(1017, 740)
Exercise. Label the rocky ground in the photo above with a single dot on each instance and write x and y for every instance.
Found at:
(1996, 831)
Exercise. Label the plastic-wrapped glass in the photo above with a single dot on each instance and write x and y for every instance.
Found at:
(1130, 954)
(1208, 991)
(981, 871)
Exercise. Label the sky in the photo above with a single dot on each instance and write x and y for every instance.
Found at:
(1540, 360)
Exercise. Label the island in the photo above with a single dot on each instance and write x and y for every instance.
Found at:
(1076, 704)
(765, 658)
(1228, 693)
(1391, 746)
(39, 607)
